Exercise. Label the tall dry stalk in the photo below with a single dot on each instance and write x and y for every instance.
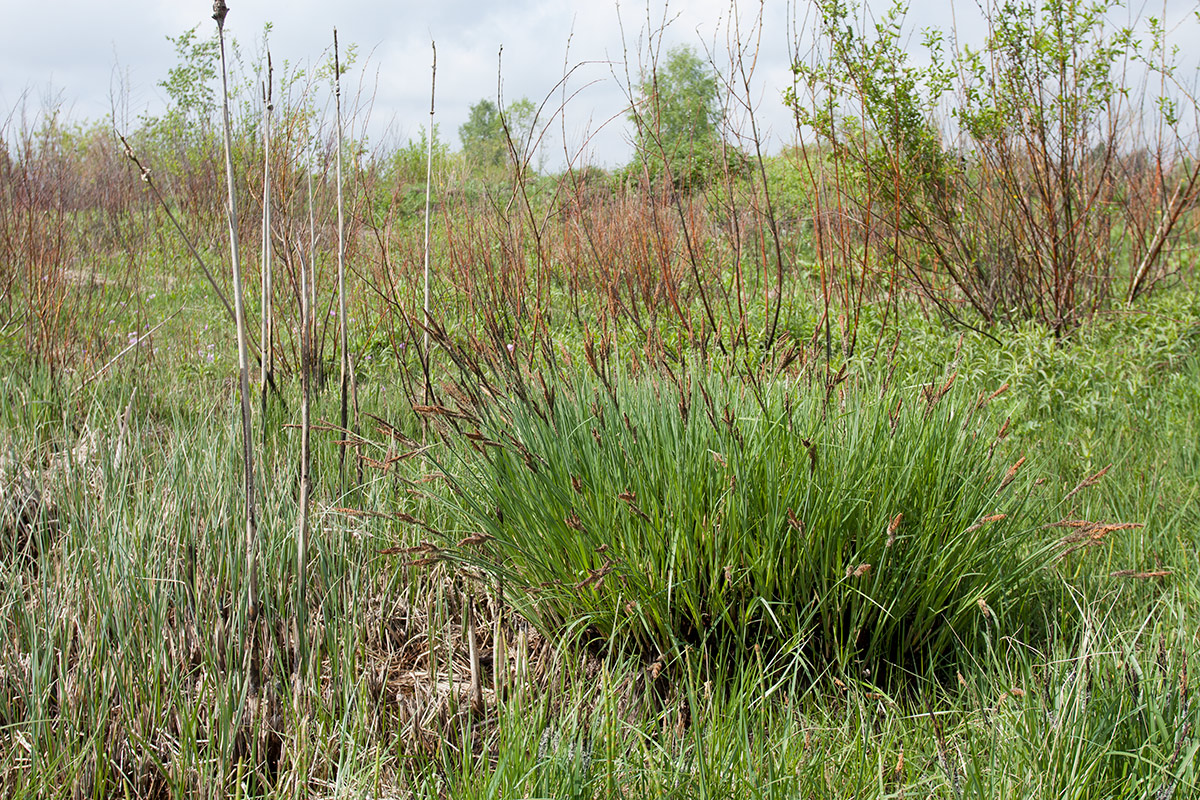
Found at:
(312, 247)
(267, 361)
(347, 379)
(302, 528)
(428, 187)
(220, 10)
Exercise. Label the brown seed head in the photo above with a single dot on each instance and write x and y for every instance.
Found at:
(983, 606)
(1012, 473)
(1133, 573)
(1089, 481)
(891, 529)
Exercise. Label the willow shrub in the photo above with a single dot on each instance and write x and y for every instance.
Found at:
(856, 527)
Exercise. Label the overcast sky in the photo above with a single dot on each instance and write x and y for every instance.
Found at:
(83, 53)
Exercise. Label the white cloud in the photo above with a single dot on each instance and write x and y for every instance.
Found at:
(74, 45)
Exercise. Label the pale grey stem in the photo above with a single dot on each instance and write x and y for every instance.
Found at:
(428, 192)
(312, 243)
(473, 653)
(347, 368)
(302, 529)
(268, 352)
(219, 12)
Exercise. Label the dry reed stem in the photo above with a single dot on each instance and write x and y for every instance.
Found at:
(162, 201)
(267, 334)
(347, 366)
(476, 688)
(427, 319)
(219, 12)
(303, 531)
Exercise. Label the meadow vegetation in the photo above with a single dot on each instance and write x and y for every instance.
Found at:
(865, 468)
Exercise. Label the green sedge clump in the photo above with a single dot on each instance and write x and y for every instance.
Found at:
(851, 526)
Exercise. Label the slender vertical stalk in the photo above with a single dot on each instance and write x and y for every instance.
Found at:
(268, 352)
(308, 324)
(219, 12)
(428, 188)
(477, 706)
(302, 528)
(312, 249)
(347, 367)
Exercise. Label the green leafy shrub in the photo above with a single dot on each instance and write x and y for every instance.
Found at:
(1010, 181)
(659, 516)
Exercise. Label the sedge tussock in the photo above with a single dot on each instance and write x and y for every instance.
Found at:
(702, 557)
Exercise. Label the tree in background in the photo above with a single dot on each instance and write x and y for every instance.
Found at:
(403, 187)
(191, 84)
(408, 163)
(483, 134)
(677, 116)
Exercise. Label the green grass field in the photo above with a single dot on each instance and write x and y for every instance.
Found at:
(868, 467)
(670, 597)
